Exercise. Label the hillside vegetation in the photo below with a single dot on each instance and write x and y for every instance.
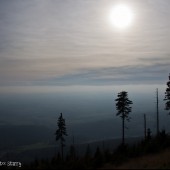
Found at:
(151, 161)
(153, 152)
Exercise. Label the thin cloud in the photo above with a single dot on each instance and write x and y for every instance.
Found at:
(156, 73)
(69, 42)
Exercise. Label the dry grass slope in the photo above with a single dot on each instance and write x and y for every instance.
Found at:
(153, 161)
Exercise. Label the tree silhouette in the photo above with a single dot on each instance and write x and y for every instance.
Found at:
(123, 108)
(167, 96)
(88, 151)
(61, 132)
(72, 153)
(98, 158)
(149, 134)
(88, 155)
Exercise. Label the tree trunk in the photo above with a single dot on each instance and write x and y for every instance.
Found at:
(62, 151)
(123, 131)
(145, 126)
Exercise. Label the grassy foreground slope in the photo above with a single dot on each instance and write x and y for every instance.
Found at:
(152, 161)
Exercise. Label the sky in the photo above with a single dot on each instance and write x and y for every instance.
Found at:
(66, 56)
(72, 43)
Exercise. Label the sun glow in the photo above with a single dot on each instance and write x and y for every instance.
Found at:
(121, 16)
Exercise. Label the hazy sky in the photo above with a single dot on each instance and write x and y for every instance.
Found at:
(72, 42)
(71, 48)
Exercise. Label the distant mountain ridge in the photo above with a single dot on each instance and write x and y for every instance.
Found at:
(13, 136)
(29, 142)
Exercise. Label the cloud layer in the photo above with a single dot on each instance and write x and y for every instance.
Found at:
(72, 42)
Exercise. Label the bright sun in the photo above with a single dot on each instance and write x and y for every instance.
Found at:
(121, 16)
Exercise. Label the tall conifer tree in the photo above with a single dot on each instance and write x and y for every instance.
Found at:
(61, 132)
(123, 109)
(167, 96)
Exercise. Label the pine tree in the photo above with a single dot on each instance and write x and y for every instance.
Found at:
(88, 152)
(149, 134)
(98, 158)
(88, 155)
(61, 132)
(123, 108)
(167, 96)
(72, 153)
